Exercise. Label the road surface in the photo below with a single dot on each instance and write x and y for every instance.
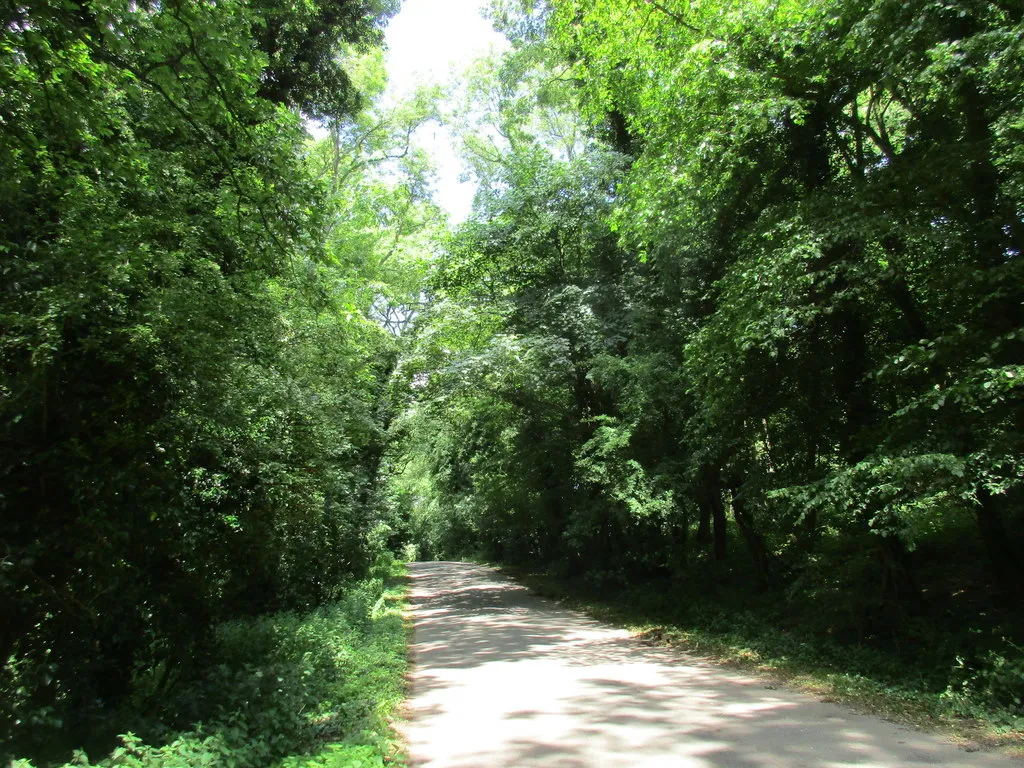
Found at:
(503, 678)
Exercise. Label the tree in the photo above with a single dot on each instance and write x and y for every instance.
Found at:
(188, 415)
(811, 314)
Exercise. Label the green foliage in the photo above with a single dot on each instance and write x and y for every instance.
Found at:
(738, 275)
(287, 689)
(994, 683)
(194, 376)
(303, 43)
(624, 481)
(741, 275)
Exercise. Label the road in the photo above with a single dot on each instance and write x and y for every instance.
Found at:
(503, 678)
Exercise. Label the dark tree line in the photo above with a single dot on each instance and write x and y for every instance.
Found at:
(192, 404)
(757, 313)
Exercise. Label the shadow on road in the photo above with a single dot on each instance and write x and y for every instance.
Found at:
(503, 678)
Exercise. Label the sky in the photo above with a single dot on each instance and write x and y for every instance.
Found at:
(427, 41)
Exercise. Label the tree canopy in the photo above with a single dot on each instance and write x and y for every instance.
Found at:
(739, 305)
(768, 296)
(195, 388)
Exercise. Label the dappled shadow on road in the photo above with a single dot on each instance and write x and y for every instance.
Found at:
(463, 622)
(504, 678)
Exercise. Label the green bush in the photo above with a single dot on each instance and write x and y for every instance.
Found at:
(291, 690)
(994, 683)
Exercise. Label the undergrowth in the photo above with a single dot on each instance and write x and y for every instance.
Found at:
(314, 690)
(977, 700)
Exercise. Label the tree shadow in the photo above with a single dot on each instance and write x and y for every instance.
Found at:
(505, 678)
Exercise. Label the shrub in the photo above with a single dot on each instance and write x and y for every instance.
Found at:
(289, 690)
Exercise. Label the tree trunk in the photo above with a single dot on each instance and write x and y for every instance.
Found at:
(898, 579)
(718, 519)
(704, 526)
(753, 538)
(712, 512)
(851, 366)
(678, 554)
(1003, 557)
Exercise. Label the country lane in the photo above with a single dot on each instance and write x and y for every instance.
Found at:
(503, 678)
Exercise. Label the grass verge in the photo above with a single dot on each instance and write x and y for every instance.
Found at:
(289, 690)
(865, 679)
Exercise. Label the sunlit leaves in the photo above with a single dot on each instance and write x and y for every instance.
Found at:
(190, 418)
(799, 281)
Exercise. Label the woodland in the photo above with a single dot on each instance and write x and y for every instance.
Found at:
(734, 330)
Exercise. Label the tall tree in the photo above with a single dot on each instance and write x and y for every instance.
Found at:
(183, 440)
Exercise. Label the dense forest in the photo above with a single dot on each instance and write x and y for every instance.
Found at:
(736, 318)
(199, 309)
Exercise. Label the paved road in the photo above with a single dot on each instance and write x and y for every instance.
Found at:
(502, 678)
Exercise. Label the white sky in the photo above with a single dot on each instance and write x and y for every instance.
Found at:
(428, 40)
